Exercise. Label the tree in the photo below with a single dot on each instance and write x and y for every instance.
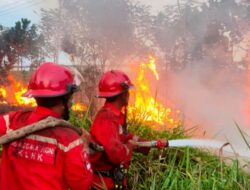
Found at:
(17, 43)
(190, 33)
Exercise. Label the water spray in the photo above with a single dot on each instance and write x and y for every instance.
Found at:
(224, 147)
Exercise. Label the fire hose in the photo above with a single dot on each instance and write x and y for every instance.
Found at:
(48, 122)
(151, 144)
(51, 122)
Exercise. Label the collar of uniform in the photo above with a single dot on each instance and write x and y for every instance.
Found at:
(43, 112)
(113, 108)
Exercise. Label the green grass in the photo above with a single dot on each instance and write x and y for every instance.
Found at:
(183, 168)
(179, 168)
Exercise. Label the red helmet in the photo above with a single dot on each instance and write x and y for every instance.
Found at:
(113, 83)
(51, 80)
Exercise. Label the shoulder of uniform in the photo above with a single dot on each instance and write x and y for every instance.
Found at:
(21, 118)
(66, 135)
(6, 120)
(105, 114)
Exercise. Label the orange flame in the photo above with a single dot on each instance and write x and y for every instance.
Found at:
(145, 106)
(3, 92)
(79, 107)
(3, 95)
(13, 94)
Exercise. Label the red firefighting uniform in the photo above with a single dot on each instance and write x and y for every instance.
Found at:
(107, 131)
(45, 160)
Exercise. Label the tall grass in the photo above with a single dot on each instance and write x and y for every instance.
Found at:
(179, 168)
(183, 168)
(243, 135)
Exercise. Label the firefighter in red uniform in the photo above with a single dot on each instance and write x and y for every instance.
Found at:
(109, 130)
(53, 158)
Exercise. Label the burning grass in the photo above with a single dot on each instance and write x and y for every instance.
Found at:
(11, 97)
(144, 106)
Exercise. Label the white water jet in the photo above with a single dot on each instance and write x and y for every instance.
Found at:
(225, 147)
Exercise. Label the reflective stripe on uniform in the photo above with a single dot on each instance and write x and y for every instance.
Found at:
(7, 123)
(43, 139)
(72, 145)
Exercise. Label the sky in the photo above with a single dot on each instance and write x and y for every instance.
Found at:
(13, 10)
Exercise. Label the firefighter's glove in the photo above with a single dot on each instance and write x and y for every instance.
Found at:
(162, 143)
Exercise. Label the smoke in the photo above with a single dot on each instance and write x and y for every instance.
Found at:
(203, 79)
(211, 99)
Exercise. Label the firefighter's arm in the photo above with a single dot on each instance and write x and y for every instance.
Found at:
(134, 141)
(77, 168)
(137, 141)
(107, 135)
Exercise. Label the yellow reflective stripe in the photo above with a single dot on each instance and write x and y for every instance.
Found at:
(7, 123)
(43, 139)
(72, 145)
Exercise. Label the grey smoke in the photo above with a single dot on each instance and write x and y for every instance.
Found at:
(211, 99)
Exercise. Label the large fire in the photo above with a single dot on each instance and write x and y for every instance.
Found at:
(12, 94)
(145, 106)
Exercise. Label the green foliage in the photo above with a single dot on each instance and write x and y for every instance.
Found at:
(80, 120)
(185, 169)
(150, 134)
